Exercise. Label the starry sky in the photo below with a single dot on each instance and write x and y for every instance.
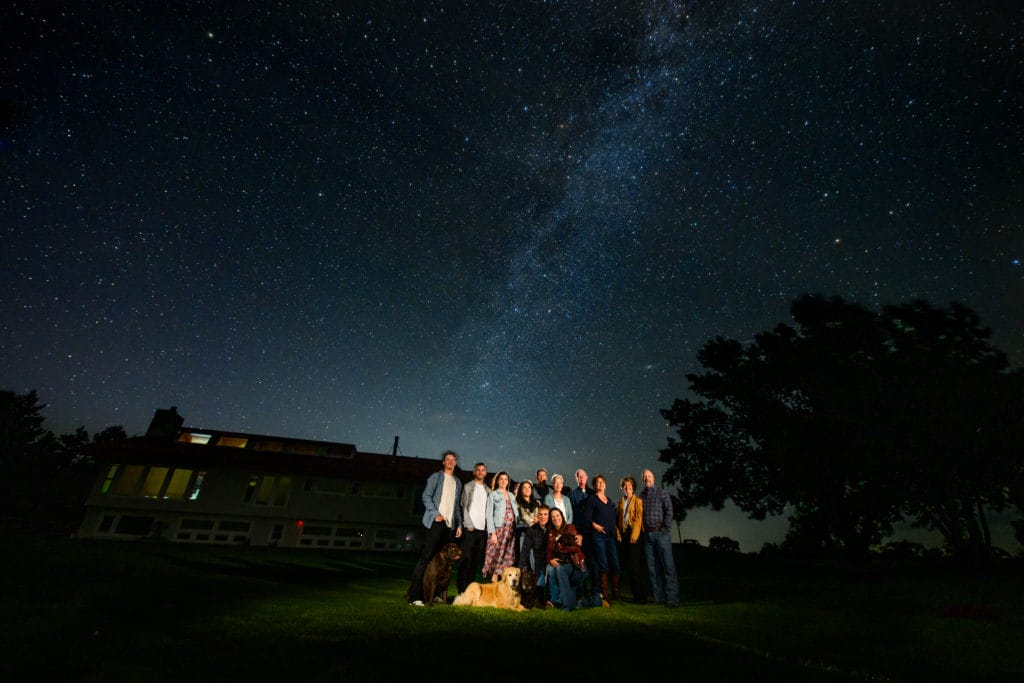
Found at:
(504, 228)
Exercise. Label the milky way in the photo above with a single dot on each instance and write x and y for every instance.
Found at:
(500, 228)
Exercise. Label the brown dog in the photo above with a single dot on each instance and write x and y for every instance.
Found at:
(502, 592)
(439, 574)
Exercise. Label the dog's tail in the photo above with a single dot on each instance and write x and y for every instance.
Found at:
(461, 599)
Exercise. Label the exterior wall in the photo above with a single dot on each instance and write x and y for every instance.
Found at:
(241, 506)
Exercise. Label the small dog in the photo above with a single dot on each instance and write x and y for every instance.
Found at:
(438, 574)
(502, 592)
(531, 595)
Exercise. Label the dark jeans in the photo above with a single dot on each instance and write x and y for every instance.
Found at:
(587, 585)
(474, 545)
(661, 567)
(437, 535)
(632, 555)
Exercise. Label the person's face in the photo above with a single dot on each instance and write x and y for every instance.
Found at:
(556, 517)
(627, 488)
(581, 478)
(526, 488)
(557, 484)
(648, 478)
(542, 517)
(503, 481)
(600, 485)
(449, 462)
(480, 472)
(542, 477)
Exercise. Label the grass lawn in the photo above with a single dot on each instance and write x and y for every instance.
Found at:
(148, 611)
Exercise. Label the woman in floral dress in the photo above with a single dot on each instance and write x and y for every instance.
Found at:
(502, 513)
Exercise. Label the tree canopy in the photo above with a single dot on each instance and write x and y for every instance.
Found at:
(855, 419)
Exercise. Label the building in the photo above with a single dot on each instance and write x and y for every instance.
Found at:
(192, 485)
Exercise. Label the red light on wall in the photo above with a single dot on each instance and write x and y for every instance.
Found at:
(299, 523)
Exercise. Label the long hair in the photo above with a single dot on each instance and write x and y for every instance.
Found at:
(496, 477)
(528, 502)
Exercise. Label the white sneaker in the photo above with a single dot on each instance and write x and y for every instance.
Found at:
(416, 603)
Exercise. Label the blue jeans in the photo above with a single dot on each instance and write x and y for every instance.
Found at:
(661, 567)
(606, 554)
(570, 583)
(551, 581)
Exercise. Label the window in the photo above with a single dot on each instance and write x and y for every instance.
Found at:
(232, 441)
(111, 473)
(268, 490)
(154, 481)
(202, 524)
(196, 438)
(379, 490)
(134, 526)
(128, 482)
(196, 485)
(178, 484)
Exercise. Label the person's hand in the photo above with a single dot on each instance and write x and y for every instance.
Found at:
(439, 518)
(458, 533)
(579, 539)
(598, 528)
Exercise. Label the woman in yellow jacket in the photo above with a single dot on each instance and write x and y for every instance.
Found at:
(629, 521)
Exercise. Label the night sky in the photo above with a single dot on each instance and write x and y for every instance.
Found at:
(501, 228)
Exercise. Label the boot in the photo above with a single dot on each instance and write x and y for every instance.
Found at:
(615, 587)
(604, 585)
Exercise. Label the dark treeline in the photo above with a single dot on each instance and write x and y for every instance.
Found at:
(44, 477)
(854, 420)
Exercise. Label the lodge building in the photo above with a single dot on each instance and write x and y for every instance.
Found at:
(194, 485)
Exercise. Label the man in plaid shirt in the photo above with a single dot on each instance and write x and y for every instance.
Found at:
(658, 542)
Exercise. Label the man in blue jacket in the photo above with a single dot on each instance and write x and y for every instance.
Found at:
(442, 517)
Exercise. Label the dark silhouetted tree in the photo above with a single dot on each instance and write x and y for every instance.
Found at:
(45, 477)
(723, 544)
(852, 418)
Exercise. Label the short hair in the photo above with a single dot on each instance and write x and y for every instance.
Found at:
(556, 475)
(542, 470)
(480, 464)
(627, 480)
(451, 453)
(543, 507)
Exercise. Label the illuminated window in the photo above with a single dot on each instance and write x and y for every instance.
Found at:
(232, 441)
(154, 481)
(197, 484)
(111, 473)
(284, 489)
(178, 484)
(268, 490)
(196, 438)
(126, 484)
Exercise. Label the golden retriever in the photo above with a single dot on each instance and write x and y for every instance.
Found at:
(502, 592)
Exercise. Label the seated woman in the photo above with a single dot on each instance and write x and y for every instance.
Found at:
(567, 568)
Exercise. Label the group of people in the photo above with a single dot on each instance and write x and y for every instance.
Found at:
(570, 539)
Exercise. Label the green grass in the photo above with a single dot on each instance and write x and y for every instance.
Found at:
(106, 611)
